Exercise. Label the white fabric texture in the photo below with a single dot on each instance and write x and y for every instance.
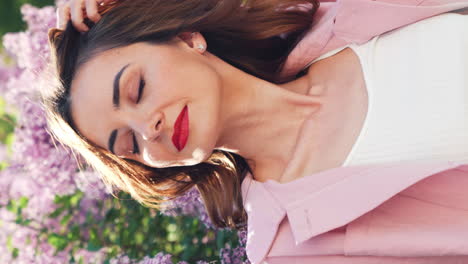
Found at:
(417, 83)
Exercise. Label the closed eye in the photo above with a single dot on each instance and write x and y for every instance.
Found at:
(140, 89)
(136, 149)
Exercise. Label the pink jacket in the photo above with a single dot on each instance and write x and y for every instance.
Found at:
(397, 213)
(406, 212)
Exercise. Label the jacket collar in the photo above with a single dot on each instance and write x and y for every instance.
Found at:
(312, 42)
(264, 216)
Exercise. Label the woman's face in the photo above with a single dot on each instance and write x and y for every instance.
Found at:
(127, 100)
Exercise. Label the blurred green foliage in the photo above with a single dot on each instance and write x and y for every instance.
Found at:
(7, 124)
(129, 228)
(10, 15)
(7, 127)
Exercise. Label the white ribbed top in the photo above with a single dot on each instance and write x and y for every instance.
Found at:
(417, 83)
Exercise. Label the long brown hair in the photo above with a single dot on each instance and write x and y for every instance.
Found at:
(254, 35)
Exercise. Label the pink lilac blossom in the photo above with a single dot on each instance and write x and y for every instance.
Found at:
(90, 257)
(3, 153)
(159, 258)
(33, 148)
(235, 255)
(190, 203)
(91, 185)
(30, 49)
(39, 170)
(27, 240)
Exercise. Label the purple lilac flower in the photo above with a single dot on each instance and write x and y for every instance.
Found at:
(30, 48)
(235, 255)
(38, 169)
(90, 257)
(91, 185)
(190, 203)
(3, 153)
(159, 258)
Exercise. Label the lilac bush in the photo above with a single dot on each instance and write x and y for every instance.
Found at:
(45, 198)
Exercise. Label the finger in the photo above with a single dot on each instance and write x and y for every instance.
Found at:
(77, 15)
(63, 16)
(92, 10)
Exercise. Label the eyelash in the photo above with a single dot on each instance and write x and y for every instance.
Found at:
(140, 92)
(135, 150)
(140, 89)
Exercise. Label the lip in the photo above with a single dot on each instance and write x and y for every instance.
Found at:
(181, 129)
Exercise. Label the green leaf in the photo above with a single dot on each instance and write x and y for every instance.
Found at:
(111, 215)
(23, 202)
(113, 237)
(2, 106)
(26, 222)
(57, 212)
(9, 243)
(19, 219)
(75, 199)
(58, 199)
(11, 206)
(94, 244)
(3, 165)
(220, 239)
(65, 220)
(139, 238)
(74, 234)
(58, 241)
(93, 247)
(10, 139)
(89, 218)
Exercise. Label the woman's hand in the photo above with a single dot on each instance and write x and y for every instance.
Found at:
(77, 11)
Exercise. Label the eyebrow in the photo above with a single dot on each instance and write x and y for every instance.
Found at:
(116, 92)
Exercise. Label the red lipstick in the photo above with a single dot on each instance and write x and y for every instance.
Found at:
(181, 129)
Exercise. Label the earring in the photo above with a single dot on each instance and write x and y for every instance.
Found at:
(201, 47)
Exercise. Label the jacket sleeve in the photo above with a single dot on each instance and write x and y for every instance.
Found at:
(366, 260)
(357, 21)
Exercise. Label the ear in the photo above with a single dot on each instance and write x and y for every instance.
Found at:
(194, 40)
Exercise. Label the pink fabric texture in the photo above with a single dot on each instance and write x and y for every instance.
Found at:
(411, 210)
(405, 212)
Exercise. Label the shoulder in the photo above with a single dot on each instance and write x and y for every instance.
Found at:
(359, 20)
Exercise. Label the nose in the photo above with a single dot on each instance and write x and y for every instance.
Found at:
(149, 128)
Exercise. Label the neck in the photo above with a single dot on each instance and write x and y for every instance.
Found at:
(260, 120)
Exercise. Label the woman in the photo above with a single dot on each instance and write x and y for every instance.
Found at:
(162, 117)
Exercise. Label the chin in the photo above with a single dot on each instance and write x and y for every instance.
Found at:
(198, 156)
